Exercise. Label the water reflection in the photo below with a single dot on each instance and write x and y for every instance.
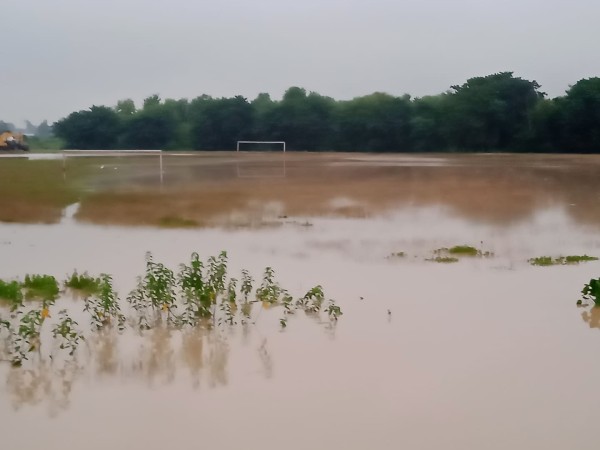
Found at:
(153, 356)
(43, 382)
(592, 317)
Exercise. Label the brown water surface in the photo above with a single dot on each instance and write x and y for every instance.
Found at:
(483, 353)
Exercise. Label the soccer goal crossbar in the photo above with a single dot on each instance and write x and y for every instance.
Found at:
(259, 142)
(118, 153)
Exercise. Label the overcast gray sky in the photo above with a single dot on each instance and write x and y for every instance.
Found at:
(58, 56)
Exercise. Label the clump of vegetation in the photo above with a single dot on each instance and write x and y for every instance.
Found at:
(560, 260)
(576, 259)
(41, 286)
(83, 282)
(66, 334)
(177, 222)
(443, 259)
(10, 292)
(201, 290)
(464, 250)
(104, 306)
(396, 255)
(591, 291)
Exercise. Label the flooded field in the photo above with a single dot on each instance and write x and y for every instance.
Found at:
(488, 352)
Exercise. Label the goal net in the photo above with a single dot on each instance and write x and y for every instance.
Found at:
(260, 146)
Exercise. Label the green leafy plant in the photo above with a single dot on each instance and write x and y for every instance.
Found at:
(591, 291)
(66, 334)
(10, 292)
(104, 306)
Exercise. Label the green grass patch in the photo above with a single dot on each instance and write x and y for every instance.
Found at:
(10, 292)
(83, 282)
(464, 250)
(575, 259)
(560, 260)
(177, 222)
(40, 286)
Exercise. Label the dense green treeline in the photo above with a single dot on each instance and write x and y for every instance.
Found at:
(498, 112)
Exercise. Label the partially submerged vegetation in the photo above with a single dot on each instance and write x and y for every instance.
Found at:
(198, 295)
(41, 287)
(560, 260)
(591, 292)
(83, 282)
(453, 254)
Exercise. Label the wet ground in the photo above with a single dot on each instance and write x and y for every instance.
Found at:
(483, 353)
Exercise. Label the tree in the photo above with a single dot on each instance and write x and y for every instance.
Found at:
(218, 123)
(580, 111)
(96, 128)
(125, 107)
(378, 122)
(491, 112)
(44, 130)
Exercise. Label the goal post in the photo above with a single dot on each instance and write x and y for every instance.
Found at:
(112, 153)
(255, 143)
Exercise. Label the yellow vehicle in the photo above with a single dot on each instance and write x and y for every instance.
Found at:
(13, 141)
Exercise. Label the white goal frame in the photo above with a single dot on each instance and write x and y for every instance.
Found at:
(91, 153)
(259, 142)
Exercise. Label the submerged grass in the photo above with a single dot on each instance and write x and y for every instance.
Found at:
(83, 282)
(10, 292)
(464, 250)
(36, 191)
(560, 260)
(41, 286)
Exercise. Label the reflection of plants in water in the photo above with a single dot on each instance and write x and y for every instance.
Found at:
(209, 301)
(31, 386)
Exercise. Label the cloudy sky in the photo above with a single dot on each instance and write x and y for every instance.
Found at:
(58, 56)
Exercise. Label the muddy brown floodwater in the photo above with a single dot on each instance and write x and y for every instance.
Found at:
(484, 353)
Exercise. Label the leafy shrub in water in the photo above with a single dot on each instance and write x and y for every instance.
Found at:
(591, 291)
(10, 291)
(83, 282)
(41, 286)
(204, 291)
